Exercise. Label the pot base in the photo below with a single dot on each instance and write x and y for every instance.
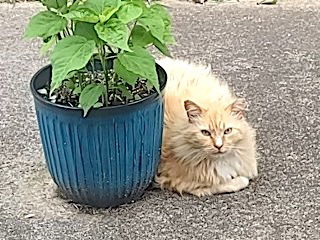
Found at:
(94, 201)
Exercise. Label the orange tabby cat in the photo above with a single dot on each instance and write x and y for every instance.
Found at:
(208, 146)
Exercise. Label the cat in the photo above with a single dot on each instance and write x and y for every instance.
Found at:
(208, 145)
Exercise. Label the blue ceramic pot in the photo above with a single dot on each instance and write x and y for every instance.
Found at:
(107, 158)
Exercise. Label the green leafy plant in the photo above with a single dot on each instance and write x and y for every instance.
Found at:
(78, 34)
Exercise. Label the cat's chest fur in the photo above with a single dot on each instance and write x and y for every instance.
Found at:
(227, 167)
(218, 170)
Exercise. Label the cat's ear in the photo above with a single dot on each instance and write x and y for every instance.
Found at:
(238, 108)
(193, 110)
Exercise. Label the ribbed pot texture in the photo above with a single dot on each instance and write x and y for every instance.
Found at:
(107, 158)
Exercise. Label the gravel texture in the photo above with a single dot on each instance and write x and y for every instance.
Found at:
(268, 54)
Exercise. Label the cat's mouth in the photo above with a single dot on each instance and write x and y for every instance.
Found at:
(219, 152)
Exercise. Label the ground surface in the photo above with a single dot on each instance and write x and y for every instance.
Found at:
(269, 54)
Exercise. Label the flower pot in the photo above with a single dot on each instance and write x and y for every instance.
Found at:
(107, 158)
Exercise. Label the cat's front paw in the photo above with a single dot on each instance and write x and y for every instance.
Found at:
(234, 185)
(201, 192)
(239, 183)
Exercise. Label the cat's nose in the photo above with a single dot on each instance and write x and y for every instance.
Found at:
(219, 146)
(218, 143)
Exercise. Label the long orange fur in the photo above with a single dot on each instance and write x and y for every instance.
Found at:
(200, 154)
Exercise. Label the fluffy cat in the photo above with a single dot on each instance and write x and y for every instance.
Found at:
(208, 146)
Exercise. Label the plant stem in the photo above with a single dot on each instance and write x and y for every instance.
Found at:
(131, 30)
(92, 65)
(68, 31)
(74, 4)
(103, 62)
(73, 26)
(135, 23)
(110, 57)
(113, 82)
(110, 49)
(80, 81)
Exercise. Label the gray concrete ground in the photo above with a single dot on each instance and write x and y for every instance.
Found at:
(269, 54)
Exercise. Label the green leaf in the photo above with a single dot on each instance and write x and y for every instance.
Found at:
(140, 3)
(103, 9)
(161, 47)
(160, 10)
(99, 6)
(86, 30)
(90, 96)
(71, 53)
(169, 38)
(107, 14)
(46, 46)
(70, 84)
(129, 12)
(77, 90)
(45, 24)
(83, 15)
(114, 32)
(164, 14)
(154, 23)
(124, 91)
(54, 3)
(129, 77)
(141, 63)
(98, 105)
(141, 37)
(71, 74)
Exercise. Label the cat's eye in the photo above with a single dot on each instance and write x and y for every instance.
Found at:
(227, 131)
(206, 133)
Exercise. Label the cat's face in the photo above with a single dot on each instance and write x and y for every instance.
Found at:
(218, 130)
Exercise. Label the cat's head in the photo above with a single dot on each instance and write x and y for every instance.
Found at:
(218, 129)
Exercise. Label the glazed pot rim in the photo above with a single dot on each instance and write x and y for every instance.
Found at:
(149, 98)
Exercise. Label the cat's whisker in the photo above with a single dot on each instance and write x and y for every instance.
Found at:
(237, 147)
